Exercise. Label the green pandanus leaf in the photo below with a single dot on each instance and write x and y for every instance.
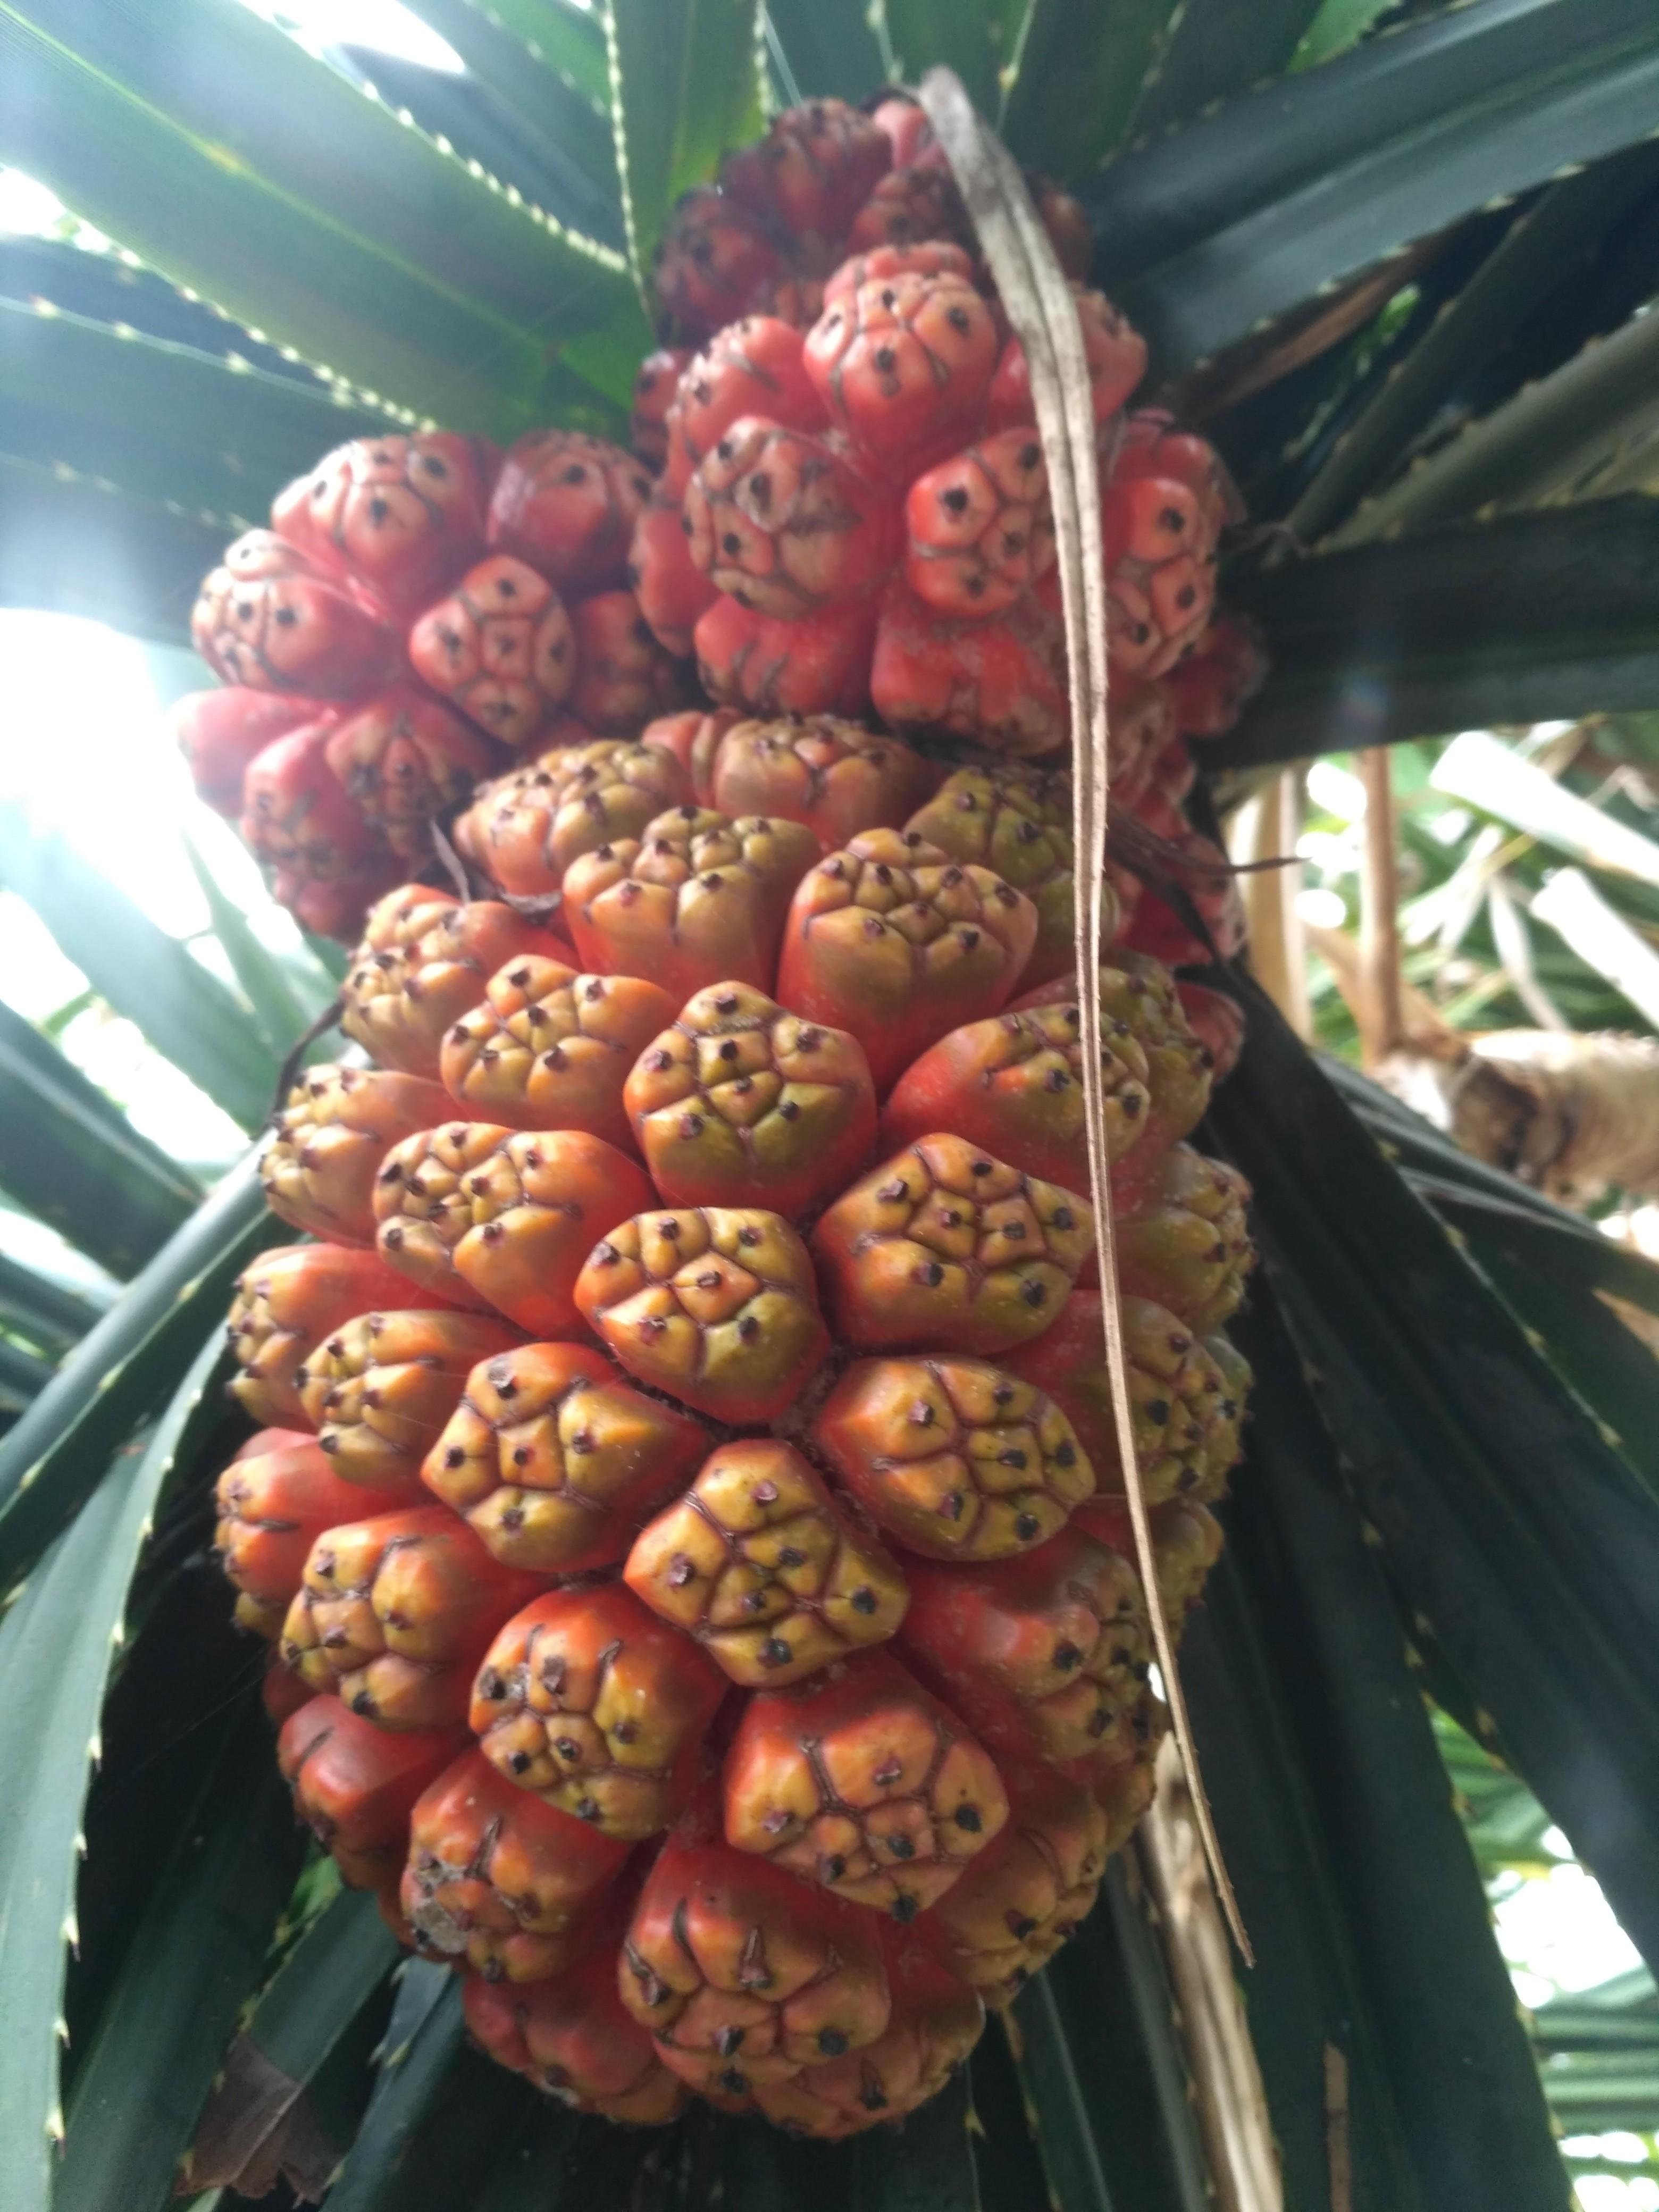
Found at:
(193, 1961)
(57, 1645)
(1511, 1525)
(72, 1158)
(187, 1014)
(165, 423)
(1079, 74)
(980, 42)
(1214, 50)
(441, 2116)
(125, 1368)
(829, 46)
(1246, 215)
(87, 548)
(323, 223)
(44, 1309)
(1384, 642)
(685, 88)
(1451, 2049)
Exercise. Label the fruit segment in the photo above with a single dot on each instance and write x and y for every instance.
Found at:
(503, 1217)
(553, 1461)
(567, 503)
(1044, 1656)
(836, 777)
(502, 647)
(753, 366)
(896, 941)
(980, 529)
(673, 593)
(698, 898)
(1163, 501)
(220, 734)
(715, 1304)
(1143, 1020)
(914, 201)
(623, 676)
(713, 261)
(498, 1881)
(655, 384)
(1017, 821)
(743, 1974)
(741, 1100)
(778, 520)
(945, 1246)
(1115, 354)
(404, 759)
(1187, 1407)
(757, 1562)
(1187, 1541)
(378, 1390)
(956, 1459)
(1014, 1084)
(272, 620)
(999, 683)
(525, 828)
(297, 816)
(575, 2039)
(287, 1301)
(863, 1782)
(593, 1702)
(1218, 1022)
(1200, 916)
(395, 1613)
(319, 1169)
(404, 514)
(935, 2022)
(903, 363)
(1020, 1900)
(273, 1502)
(423, 962)
(1186, 1243)
(1225, 667)
(1123, 1789)
(548, 1048)
(354, 1784)
(812, 170)
(775, 664)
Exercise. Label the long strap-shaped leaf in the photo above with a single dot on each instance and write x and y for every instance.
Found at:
(1039, 305)
(56, 1647)
(78, 548)
(684, 86)
(121, 1370)
(1398, 640)
(75, 1160)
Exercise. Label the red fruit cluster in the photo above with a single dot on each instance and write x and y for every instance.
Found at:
(421, 608)
(690, 1522)
(856, 512)
(692, 1527)
(826, 181)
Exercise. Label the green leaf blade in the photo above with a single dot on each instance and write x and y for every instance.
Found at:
(188, 1015)
(166, 423)
(1221, 227)
(283, 265)
(56, 1645)
(125, 1368)
(74, 1159)
(194, 1959)
(1082, 72)
(1409, 638)
(685, 88)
